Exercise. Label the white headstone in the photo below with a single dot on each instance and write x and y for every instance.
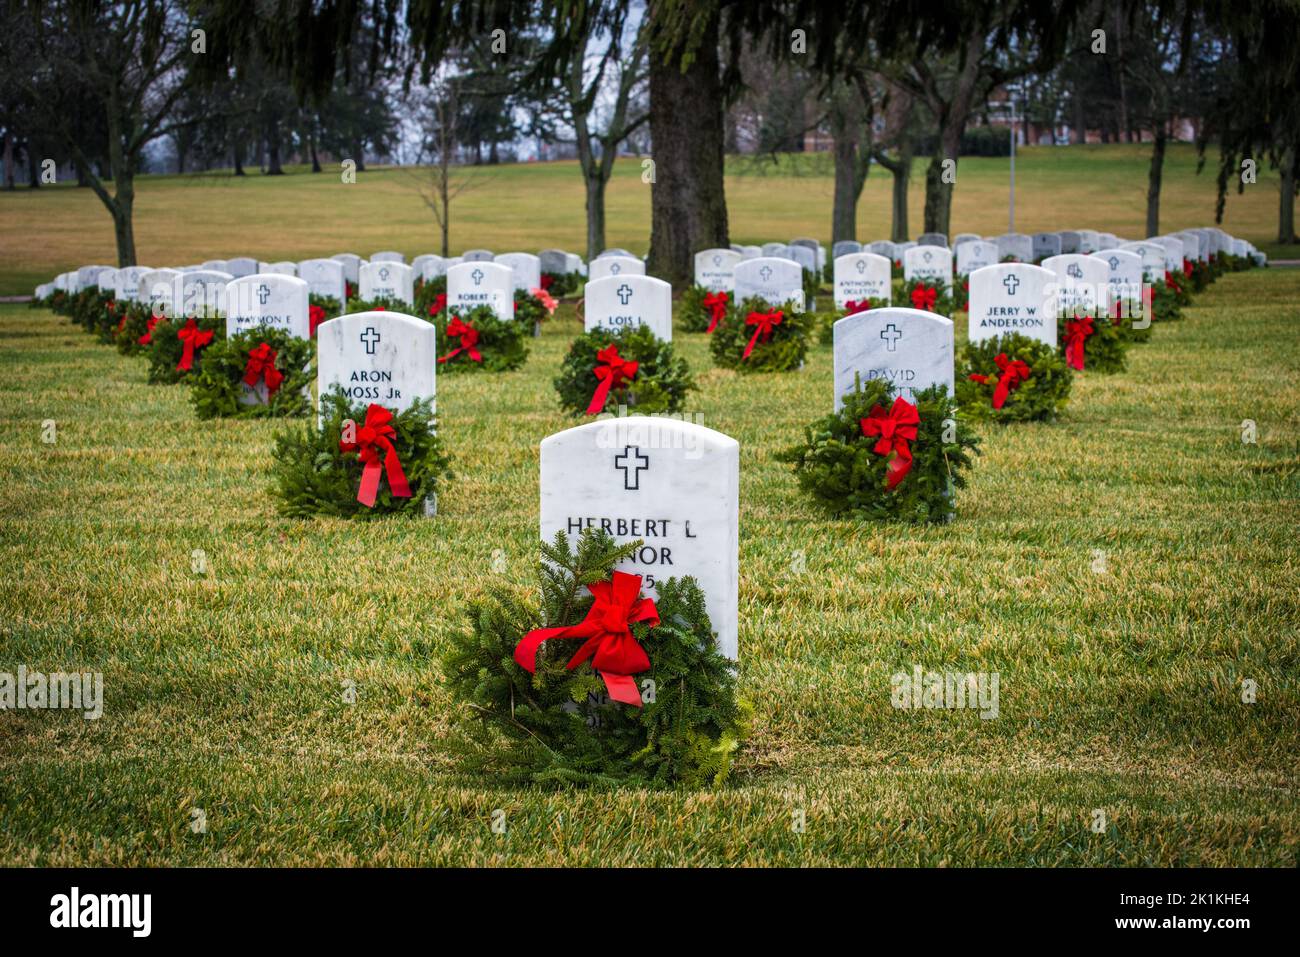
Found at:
(284, 268)
(575, 264)
(271, 301)
(603, 266)
(909, 348)
(860, 276)
(672, 484)
(325, 277)
(352, 264)
(471, 284)
(388, 256)
(1125, 275)
(1089, 241)
(844, 247)
(770, 278)
(158, 289)
(932, 239)
(883, 247)
(201, 293)
(1069, 242)
(1152, 255)
(965, 238)
(617, 302)
(384, 357)
(554, 261)
(478, 256)
(428, 266)
(1082, 283)
(526, 267)
(128, 283)
(1011, 297)
(386, 279)
(805, 257)
(1173, 247)
(976, 254)
(212, 265)
(241, 266)
(715, 269)
(1046, 244)
(928, 263)
(1018, 246)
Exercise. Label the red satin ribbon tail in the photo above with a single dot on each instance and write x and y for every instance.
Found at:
(622, 688)
(597, 402)
(758, 331)
(1000, 394)
(369, 483)
(396, 477)
(526, 650)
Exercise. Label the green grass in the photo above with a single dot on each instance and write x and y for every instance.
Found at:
(191, 218)
(1119, 692)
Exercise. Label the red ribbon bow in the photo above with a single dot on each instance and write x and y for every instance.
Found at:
(856, 305)
(1187, 267)
(439, 304)
(608, 633)
(924, 297)
(1076, 332)
(193, 338)
(1013, 373)
(896, 428)
(613, 372)
(716, 303)
(547, 280)
(261, 364)
(468, 337)
(763, 323)
(149, 324)
(371, 439)
(315, 316)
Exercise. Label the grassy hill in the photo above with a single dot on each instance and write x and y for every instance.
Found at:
(189, 218)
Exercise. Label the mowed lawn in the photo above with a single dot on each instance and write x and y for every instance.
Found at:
(192, 218)
(1123, 570)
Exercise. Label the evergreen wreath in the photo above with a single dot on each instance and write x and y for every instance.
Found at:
(1127, 314)
(1091, 344)
(553, 726)
(316, 473)
(427, 293)
(171, 341)
(382, 304)
(560, 284)
(321, 309)
(1176, 281)
(658, 383)
(693, 314)
(534, 307)
(826, 320)
(1029, 377)
(928, 295)
(777, 346)
(860, 471)
(134, 331)
(499, 344)
(216, 389)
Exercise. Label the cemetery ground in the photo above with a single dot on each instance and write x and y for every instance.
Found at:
(1124, 570)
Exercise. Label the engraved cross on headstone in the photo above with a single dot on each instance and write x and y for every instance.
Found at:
(891, 335)
(766, 273)
(624, 293)
(633, 463)
(861, 266)
(370, 337)
(477, 276)
(1011, 282)
(263, 293)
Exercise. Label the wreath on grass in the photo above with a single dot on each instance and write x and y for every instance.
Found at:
(258, 357)
(700, 309)
(321, 309)
(428, 293)
(1133, 317)
(382, 304)
(928, 295)
(534, 307)
(757, 337)
(478, 340)
(360, 461)
(560, 284)
(1092, 344)
(1176, 282)
(881, 457)
(826, 321)
(175, 350)
(645, 699)
(134, 331)
(632, 367)
(1013, 378)
(89, 309)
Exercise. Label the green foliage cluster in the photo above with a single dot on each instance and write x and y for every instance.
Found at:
(503, 343)
(215, 391)
(529, 311)
(1040, 397)
(1104, 351)
(312, 475)
(564, 283)
(384, 304)
(662, 377)
(165, 349)
(837, 466)
(555, 727)
(947, 302)
(131, 327)
(426, 291)
(784, 351)
(690, 313)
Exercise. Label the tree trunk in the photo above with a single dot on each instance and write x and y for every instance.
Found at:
(688, 204)
(595, 215)
(1154, 175)
(9, 160)
(33, 168)
(1286, 202)
(902, 176)
(239, 156)
(1079, 134)
(852, 162)
(359, 154)
(273, 166)
(311, 146)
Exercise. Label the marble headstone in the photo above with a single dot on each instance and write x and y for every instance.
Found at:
(1152, 255)
(673, 485)
(909, 348)
(1046, 244)
(428, 266)
(158, 288)
(715, 269)
(526, 267)
(929, 263)
(242, 266)
(272, 301)
(478, 256)
(384, 357)
(201, 293)
(481, 283)
(776, 280)
(554, 261)
(883, 247)
(352, 264)
(1082, 284)
(932, 239)
(1018, 246)
(386, 279)
(128, 283)
(614, 265)
(617, 302)
(324, 277)
(844, 247)
(1069, 242)
(860, 276)
(974, 254)
(388, 256)
(1011, 297)
(284, 268)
